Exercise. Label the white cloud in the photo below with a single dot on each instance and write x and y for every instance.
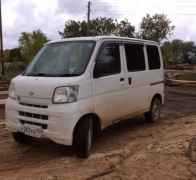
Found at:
(26, 16)
(50, 15)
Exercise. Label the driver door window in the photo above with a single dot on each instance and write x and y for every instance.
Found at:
(108, 61)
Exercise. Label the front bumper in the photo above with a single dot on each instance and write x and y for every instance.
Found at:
(58, 127)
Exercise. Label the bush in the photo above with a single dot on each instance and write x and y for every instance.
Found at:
(13, 69)
(187, 77)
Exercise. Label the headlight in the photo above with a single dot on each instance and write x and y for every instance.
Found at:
(12, 93)
(67, 94)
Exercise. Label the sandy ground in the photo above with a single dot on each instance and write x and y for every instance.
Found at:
(132, 150)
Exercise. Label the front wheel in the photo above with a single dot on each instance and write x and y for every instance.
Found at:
(84, 138)
(155, 111)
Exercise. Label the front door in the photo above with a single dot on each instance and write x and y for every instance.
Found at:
(109, 83)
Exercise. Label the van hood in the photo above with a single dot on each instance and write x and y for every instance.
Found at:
(40, 87)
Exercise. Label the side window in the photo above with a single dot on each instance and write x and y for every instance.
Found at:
(108, 61)
(135, 57)
(153, 57)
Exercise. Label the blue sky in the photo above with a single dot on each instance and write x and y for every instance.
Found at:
(50, 15)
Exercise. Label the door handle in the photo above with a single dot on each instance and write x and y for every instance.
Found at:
(130, 80)
(122, 79)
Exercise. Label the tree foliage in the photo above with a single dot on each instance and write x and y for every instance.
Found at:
(124, 28)
(178, 51)
(6, 54)
(31, 43)
(101, 26)
(96, 27)
(15, 55)
(157, 27)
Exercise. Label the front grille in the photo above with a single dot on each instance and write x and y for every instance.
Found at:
(32, 115)
(43, 126)
(34, 105)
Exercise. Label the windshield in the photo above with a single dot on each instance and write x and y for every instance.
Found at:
(61, 59)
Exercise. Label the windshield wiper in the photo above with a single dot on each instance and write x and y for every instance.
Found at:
(66, 75)
(38, 74)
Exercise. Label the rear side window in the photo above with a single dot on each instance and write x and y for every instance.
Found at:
(108, 61)
(153, 57)
(135, 57)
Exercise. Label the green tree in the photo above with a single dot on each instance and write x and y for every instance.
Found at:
(31, 43)
(173, 52)
(101, 26)
(15, 55)
(178, 51)
(6, 54)
(124, 28)
(72, 28)
(189, 52)
(96, 27)
(157, 27)
(167, 53)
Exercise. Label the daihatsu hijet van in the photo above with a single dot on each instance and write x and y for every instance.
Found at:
(76, 87)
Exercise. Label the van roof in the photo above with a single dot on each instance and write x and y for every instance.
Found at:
(98, 38)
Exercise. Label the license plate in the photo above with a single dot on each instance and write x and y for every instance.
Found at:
(32, 131)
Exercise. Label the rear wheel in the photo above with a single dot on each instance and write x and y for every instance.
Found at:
(22, 138)
(155, 111)
(84, 138)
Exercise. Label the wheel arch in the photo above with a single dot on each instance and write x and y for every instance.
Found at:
(159, 96)
(96, 124)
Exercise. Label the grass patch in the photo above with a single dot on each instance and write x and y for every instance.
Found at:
(187, 77)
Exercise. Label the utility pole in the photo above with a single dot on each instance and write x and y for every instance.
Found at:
(1, 44)
(88, 16)
(89, 11)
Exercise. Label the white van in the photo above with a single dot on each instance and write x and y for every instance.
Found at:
(76, 87)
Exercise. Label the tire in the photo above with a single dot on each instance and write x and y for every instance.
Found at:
(155, 110)
(84, 138)
(22, 138)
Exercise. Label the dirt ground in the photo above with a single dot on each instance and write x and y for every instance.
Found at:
(132, 150)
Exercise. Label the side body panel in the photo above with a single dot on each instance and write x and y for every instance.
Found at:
(109, 95)
(137, 89)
